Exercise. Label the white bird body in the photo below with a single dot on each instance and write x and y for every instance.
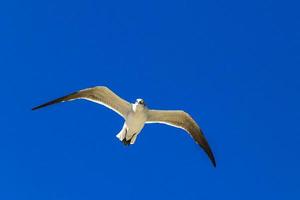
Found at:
(134, 123)
(137, 114)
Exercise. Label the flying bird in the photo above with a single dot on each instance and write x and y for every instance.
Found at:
(137, 114)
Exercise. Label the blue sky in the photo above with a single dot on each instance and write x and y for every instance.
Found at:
(233, 65)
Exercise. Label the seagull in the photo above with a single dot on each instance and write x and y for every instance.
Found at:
(137, 114)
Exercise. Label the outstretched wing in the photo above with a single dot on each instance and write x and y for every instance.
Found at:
(100, 94)
(183, 120)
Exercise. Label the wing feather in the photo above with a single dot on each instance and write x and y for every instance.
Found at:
(183, 120)
(100, 94)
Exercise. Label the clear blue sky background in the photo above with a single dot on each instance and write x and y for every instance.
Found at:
(233, 65)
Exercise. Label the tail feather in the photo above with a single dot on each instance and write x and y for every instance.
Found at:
(130, 141)
(133, 138)
(122, 134)
(123, 137)
(126, 142)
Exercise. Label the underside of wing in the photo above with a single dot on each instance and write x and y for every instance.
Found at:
(183, 120)
(100, 94)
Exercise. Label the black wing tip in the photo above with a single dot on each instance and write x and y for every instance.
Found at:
(36, 107)
(55, 101)
(210, 154)
(213, 162)
(212, 159)
(40, 106)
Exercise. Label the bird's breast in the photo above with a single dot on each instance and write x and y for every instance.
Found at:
(135, 121)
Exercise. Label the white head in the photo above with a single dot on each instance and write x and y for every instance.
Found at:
(140, 102)
(139, 105)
